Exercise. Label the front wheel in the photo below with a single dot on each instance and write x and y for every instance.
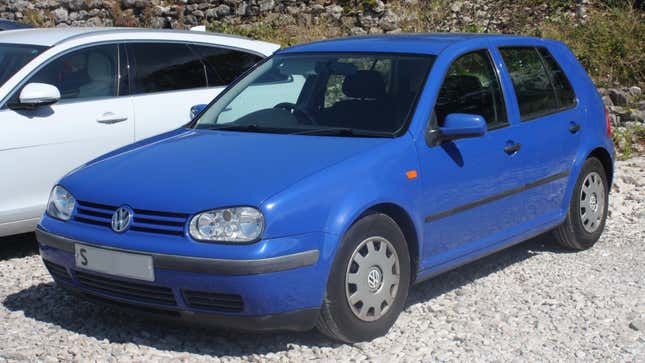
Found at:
(369, 281)
(587, 210)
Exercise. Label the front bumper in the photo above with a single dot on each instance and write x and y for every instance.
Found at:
(283, 292)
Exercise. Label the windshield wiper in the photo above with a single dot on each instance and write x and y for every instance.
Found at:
(344, 131)
(251, 128)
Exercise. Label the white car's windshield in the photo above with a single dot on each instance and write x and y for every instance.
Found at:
(15, 56)
(350, 94)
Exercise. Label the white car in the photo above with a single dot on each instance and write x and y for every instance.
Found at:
(68, 95)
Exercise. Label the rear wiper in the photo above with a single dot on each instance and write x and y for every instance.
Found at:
(344, 131)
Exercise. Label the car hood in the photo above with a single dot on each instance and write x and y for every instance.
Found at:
(192, 170)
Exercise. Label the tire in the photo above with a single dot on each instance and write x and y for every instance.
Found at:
(368, 281)
(580, 231)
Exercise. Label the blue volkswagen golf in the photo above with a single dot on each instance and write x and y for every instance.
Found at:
(318, 188)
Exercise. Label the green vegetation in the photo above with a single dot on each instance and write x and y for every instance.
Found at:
(610, 44)
(629, 141)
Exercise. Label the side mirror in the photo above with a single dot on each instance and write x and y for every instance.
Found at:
(196, 110)
(38, 94)
(461, 126)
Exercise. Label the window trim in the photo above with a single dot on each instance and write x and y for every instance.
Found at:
(544, 67)
(432, 126)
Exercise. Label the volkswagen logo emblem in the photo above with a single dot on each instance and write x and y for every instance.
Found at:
(121, 219)
(374, 279)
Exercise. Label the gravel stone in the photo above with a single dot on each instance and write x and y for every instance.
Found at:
(532, 302)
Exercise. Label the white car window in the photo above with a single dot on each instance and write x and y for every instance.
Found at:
(86, 73)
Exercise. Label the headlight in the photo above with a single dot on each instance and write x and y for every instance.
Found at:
(61, 203)
(239, 224)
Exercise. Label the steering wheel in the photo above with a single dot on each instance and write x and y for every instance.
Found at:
(296, 111)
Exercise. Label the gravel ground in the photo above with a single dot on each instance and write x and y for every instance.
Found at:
(532, 302)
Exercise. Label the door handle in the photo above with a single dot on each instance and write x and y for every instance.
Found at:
(111, 118)
(574, 127)
(512, 148)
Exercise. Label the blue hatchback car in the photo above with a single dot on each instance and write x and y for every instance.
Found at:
(320, 186)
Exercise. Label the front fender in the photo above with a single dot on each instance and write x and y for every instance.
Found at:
(332, 199)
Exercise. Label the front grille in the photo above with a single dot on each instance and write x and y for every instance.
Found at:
(144, 220)
(127, 290)
(213, 301)
(58, 272)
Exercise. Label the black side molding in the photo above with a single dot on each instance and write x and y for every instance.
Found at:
(492, 198)
(196, 264)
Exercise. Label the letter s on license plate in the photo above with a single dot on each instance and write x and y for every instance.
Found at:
(117, 263)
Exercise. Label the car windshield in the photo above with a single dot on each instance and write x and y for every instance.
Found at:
(15, 56)
(342, 94)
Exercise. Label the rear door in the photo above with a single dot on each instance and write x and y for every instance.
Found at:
(550, 125)
(469, 201)
(38, 146)
(169, 78)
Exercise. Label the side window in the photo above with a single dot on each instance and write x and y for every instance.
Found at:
(86, 73)
(224, 65)
(563, 90)
(160, 67)
(532, 84)
(472, 86)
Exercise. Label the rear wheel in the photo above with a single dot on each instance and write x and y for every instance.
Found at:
(587, 210)
(369, 281)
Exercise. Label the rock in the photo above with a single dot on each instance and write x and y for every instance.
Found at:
(266, 5)
(638, 325)
(241, 9)
(638, 115)
(60, 15)
(335, 11)
(635, 91)
(389, 21)
(379, 7)
(456, 6)
(358, 31)
(618, 97)
(607, 101)
(367, 21)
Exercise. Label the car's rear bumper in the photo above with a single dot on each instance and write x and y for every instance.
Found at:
(282, 293)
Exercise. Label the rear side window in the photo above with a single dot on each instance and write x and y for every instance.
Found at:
(160, 67)
(563, 90)
(87, 73)
(540, 84)
(472, 86)
(224, 65)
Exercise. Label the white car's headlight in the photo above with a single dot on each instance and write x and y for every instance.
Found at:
(61, 204)
(238, 224)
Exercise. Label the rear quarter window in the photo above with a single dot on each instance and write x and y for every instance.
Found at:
(541, 87)
(223, 65)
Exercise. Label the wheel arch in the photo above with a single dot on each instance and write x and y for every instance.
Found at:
(603, 155)
(405, 222)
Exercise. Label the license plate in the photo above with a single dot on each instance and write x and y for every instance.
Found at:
(131, 265)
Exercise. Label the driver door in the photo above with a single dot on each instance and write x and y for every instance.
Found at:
(39, 145)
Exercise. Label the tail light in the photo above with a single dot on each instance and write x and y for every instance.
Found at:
(608, 121)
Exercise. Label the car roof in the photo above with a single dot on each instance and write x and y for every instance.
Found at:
(53, 36)
(414, 43)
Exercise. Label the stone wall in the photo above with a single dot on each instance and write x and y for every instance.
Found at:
(353, 16)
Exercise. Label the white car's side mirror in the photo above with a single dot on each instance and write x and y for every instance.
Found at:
(39, 94)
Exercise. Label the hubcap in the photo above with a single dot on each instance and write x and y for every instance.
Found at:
(592, 202)
(372, 278)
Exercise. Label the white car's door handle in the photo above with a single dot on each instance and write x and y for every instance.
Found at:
(111, 118)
